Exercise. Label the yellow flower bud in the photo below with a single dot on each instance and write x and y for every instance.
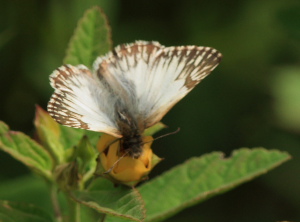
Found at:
(127, 170)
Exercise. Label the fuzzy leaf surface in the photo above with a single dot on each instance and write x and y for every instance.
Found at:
(58, 138)
(17, 212)
(92, 38)
(203, 177)
(26, 150)
(121, 201)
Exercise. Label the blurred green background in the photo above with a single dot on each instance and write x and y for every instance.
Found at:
(252, 99)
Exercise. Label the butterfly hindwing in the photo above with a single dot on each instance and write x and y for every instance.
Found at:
(152, 78)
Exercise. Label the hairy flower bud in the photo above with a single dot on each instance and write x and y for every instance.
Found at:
(125, 170)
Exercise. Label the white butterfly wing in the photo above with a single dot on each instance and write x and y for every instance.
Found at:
(126, 71)
(82, 101)
(174, 72)
(152, 78)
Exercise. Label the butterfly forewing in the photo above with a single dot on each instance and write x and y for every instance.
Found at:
(81, 101)
(174, 73)
(155, 77)
(126, 70)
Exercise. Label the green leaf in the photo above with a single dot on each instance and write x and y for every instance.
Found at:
(91, 39)
(29, 188)
(26, 150)
(49, 134)
(58, 138)
(17, 212)
(201, 178)
(80, 166)
(3, 128)
(86, 156)
(117, 201)
(154, 129)
(71, 136)
(85, 152)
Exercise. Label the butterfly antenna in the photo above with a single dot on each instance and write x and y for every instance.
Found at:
(159, 137)
(115, 163)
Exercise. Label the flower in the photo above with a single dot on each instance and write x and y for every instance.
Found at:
(125, 170)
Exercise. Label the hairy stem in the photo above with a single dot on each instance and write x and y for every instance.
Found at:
(74, 210)
(55, 204)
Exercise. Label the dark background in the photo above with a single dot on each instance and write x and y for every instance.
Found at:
(252, 99)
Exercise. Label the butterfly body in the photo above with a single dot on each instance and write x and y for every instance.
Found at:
(129, 90)
(131, 142)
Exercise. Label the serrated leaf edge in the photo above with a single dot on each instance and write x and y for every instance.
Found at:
(224, 188)
(93, 205)
(78, 26)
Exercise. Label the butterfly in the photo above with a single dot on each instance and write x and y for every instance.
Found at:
(129, 89)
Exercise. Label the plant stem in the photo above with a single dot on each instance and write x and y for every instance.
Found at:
(55, 204)
(102, 218)
(74, 210)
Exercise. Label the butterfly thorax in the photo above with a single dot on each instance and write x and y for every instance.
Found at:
(131, 141)
(133, 145)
